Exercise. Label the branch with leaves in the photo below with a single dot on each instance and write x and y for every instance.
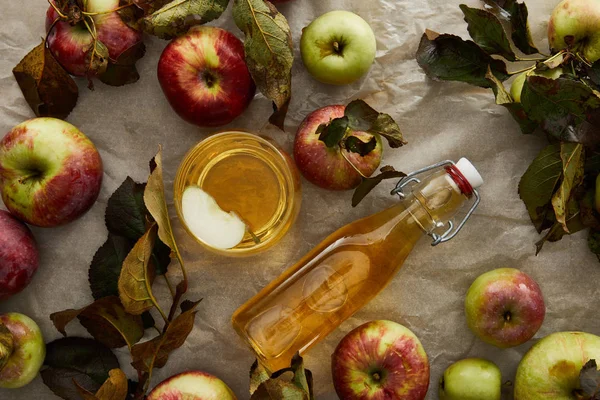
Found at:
(138, 249)
(559, 187)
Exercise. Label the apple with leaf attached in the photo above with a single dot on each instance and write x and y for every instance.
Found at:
(574, 24)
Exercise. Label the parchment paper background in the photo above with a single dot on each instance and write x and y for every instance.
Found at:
(440, 121)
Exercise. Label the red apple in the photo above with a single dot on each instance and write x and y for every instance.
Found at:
(18, 255)
(204, 76)
(380, 360)
(50, 172)
(22, 350)
(505, 307)
(192, 385)
(70, 44)
(332, 168)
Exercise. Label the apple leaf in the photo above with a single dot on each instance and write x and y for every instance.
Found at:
(556, 231)
(86, 361)
(593, 72)
(539, 182)
(332, 133)
(515, 109)
(48, 88)
(126, 212)
(123, 70)
(369, 184)
(450, 58)
(299, 387)
(487, 31)
(106, 266)
(589, 381)
(520, 32)
(269, 52)
(572, 156)
(137, 276)
(363, 117)
(589, 215)
(258, 375)
(565, 108)
(355, 145)
(114, 388)
(106, 321)
(178, 16)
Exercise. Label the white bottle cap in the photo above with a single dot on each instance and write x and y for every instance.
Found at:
(470, 172)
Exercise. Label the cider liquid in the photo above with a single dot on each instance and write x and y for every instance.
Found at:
(250, 176)
(340, 275)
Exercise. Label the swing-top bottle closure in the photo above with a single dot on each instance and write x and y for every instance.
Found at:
(463, 176)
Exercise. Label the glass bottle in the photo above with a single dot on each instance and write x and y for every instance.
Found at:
(352, 265)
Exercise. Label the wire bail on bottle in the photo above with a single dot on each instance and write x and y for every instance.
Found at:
(464, 186)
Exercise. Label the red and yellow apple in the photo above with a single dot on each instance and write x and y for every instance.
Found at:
(50, 172)
(192, 385)
(204, 76)
(70, 43)
(550, 369)
(19, 257)
(505, 307)
(332, 168)
(22, 350)
(380, 360)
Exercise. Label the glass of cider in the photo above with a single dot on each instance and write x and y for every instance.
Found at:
(248, 175)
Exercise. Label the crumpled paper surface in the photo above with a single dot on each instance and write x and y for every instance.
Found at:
(440, 121)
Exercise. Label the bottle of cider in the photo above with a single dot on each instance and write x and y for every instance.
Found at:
(352, 265)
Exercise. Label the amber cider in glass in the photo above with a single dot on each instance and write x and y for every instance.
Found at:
(249, 175)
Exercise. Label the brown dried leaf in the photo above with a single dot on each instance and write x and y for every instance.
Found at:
(137, 276)
(114, 388)
(48, 88)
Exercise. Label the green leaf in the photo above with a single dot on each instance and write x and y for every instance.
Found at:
(515, 109)
(592, 161)
(106, 266)
(332, 133)
(123, 70)
(449, 58)
(269, 52)
(355, 145)
(178, 16)
(556, 232)
(589, 215)
(539, 183)
(572, 156)
(155, 353)
(258, 375)
(589, 381)
(47, 87)
(126, 212)
(137, 276)
(369, 184)
(487, 31)
(85, 360)
(520, 32)
(363, 117)
(593, 72)
(106, 321)
(560, 106)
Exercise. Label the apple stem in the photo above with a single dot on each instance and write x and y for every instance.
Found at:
(336, 47)
(507, 316)
(376, 377)
(6, 345)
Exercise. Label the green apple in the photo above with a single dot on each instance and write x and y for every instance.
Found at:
(517, 86)
(550, 369)
(22, 350)
(471, 379)
(575, 24)
(338, 47)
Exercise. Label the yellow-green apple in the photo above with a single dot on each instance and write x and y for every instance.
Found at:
(50, 172)
(380, 360)
(471, 379)
(192, 385)
(505, 307)
(574, 24)
(334, 167)
(550, 369)
(22, 350)
(204, 76)
(516, 88)
(70, 44)
(338, 47)
(19, 257)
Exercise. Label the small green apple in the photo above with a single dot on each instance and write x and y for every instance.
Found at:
(517, 86)
(574, 24)
(338, 47)
(471, 379)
